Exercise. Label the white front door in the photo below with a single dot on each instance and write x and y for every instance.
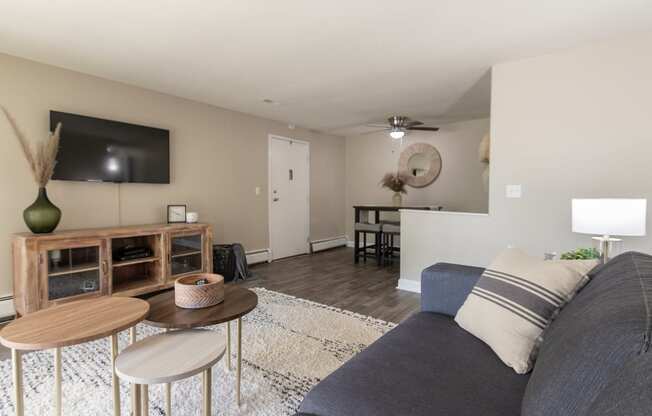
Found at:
(289, 169)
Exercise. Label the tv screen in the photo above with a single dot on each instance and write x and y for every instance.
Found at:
(93, 149)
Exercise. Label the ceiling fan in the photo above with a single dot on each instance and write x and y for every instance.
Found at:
(398, 126)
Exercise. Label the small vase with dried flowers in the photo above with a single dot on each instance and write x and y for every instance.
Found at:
(42, 216)
(395, 182)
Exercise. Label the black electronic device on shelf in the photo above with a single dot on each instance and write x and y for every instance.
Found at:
(131, 253)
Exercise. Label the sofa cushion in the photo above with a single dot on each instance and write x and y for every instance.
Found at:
(515, 300)
(605, 327)
(445, 286)
(629, 392)
(425, 366)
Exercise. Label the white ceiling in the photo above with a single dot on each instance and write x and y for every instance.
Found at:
(329, 64)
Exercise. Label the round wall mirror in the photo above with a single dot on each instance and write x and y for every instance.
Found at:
(421, 164)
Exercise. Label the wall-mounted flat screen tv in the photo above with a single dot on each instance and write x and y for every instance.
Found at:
(93, 149)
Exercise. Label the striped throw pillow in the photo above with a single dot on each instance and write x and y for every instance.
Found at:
(515, 299)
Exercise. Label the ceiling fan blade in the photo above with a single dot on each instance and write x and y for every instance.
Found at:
(413, 123)
(379, 125)
(374, 131)
(424, 128)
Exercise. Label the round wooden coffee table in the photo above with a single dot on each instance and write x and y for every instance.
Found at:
(172, 356)
(70, 324)
(238, 301)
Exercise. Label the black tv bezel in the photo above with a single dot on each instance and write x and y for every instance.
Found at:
(166, 181)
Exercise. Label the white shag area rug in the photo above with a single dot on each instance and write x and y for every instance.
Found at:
(288, 346)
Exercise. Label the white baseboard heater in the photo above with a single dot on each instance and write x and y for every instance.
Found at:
(258, 256)
(7, 310)
(327, 243)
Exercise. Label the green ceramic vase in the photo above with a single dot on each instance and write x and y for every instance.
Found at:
(42, 216)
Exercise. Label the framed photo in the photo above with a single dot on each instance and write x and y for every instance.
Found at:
(176, 214)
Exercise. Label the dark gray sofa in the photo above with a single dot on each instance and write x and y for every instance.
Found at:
(595, 359)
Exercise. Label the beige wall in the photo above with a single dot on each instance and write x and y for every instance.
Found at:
(218, 157)
(458, 188)
(568, 125)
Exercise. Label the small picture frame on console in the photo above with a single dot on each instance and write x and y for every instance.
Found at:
(176, 214)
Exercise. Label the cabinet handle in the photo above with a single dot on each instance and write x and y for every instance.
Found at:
(105, 267)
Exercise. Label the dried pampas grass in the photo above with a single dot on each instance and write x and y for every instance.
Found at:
(394, 181)
(43, 157)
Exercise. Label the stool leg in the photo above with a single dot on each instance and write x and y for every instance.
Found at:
(356, 247)
(207, 380)
(379, 238)
(144, 393)
(228, 346)
(364, 247)
(114, 377)
(57, 382)
(383, 249)
(17, 361)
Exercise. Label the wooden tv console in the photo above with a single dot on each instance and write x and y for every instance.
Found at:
(54, 268)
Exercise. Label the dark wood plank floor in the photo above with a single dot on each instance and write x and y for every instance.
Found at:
(331, 278)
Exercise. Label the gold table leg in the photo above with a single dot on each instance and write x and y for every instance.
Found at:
(207, 380)
(114, 377)
(17, 364)
(238, 370)
(135, 389)
(227, 362)
(168, 399)
(57, 382)
(137, 405)
(145, 398)
(168, 393)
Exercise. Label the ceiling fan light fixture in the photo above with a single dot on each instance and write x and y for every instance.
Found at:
(397, 133)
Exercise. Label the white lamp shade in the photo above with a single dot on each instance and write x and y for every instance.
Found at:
(621, 217)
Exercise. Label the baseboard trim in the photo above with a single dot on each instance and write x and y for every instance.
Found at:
(7, 310)
(409, 285)
(328, 243)
(259, 256)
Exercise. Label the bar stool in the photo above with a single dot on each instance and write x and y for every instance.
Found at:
(389, 230)
(168, 357)
(365, 228)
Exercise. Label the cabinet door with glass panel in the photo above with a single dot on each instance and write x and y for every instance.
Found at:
(186, 254)
(72, 271)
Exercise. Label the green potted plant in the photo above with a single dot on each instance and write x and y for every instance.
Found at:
(42, 216)
(581, 254)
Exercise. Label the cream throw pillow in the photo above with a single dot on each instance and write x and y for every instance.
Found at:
(514, 300)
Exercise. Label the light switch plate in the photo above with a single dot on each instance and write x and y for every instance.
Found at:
(257, 190)
(513, 191)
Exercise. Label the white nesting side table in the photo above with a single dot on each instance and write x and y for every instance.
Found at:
(169, 357)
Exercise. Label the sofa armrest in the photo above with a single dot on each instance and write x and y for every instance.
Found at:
(445, 286)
